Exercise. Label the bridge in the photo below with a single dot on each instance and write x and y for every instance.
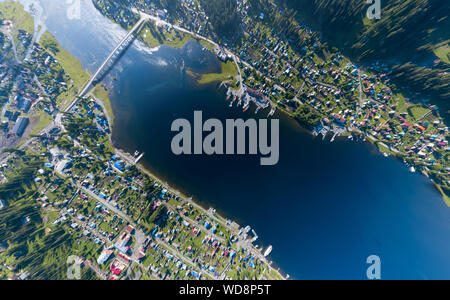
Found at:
(110, 60)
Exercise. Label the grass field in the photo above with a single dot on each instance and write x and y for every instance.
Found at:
(444, 195)
(70, 64)
(417, 112)
(229, 71)
(170, 38)
(102, 94)
(443, 52)
(15, 11)
(44, 120)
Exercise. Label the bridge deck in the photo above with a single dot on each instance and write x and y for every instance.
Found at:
(110, 56)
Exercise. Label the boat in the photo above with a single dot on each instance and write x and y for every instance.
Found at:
(412, 169)
(229, 94)
(246, 107)
(268, 251)
(272, 111)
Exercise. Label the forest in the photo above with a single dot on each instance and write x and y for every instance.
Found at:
(407, 37)
(223, 16)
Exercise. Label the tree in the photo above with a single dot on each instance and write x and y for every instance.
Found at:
(223, 16)
(159, 216)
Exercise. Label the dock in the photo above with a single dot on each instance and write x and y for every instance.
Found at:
(272, 111)
(139, 158)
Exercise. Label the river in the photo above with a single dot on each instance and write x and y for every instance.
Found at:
(325, 207)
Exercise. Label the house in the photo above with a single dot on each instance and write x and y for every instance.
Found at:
(129, 229)
(119, 166)
(55, 154)
(223, 56)
(104, 256)
(63, 165)
(122, 243)
(339, 119)
(140, 256)
(162, 14)
(25, 105)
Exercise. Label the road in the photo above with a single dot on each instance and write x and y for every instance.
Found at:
(236, 59)
(111, 55)
(13, 42)
(96, 269)
(105, 203)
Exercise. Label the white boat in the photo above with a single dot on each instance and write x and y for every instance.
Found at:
(268, 251)
(412, 169)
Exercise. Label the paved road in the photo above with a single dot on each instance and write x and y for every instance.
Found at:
(143, 19)
(105, 203)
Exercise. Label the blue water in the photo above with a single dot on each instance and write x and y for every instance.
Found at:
(325, 207)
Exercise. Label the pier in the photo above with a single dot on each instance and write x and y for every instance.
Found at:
(139, 158)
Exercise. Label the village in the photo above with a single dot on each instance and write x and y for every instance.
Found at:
(139, 227)
(126, 223)
(136, 227)
(32, 81)
(326, 92)
(321, 88)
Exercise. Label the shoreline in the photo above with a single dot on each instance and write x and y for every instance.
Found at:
(123, 154)
(127, 157)
(379, 144)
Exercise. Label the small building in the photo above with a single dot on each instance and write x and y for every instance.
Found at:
(25, 105)
(63, 165)
(15, 116)
(119, 166)
(129, 229)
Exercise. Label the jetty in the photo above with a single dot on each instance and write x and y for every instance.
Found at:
(139, 158)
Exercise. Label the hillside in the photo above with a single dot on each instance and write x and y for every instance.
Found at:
(412, 36)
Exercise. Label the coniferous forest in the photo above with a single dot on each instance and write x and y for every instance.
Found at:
(407, 36)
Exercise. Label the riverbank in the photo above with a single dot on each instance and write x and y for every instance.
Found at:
(156, 35)
(417, 115)
(307, 207)
(79, 78)
(234, 228)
